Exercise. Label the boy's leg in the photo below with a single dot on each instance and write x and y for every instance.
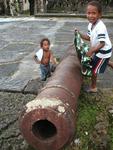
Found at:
(43, 72)
(52, 67)
(98, 66)
(48, 71)
(92, 88)
(110, 63)
(93, 81)
(95, 65)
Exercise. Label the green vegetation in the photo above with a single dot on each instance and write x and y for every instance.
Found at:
(93, 116)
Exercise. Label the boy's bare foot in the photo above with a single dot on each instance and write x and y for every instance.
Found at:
(91, 90)
(110, 64)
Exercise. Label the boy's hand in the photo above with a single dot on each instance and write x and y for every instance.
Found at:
(76, 30)
(89, 53)
(95, 49)
(36, 60)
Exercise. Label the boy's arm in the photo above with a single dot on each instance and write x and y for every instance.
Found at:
(95, 49)
(83, 36)
(36, 59)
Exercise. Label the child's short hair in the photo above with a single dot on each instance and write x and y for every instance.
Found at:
(97, 5)
(45, 39)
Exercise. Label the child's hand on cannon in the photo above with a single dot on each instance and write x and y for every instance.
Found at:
(90, 52)
(76, 30)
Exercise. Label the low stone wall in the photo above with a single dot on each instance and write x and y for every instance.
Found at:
(74, 5)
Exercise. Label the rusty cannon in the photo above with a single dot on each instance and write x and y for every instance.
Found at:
(48, 122)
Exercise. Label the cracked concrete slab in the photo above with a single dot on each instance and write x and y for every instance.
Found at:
(10, 107)
(20, 40)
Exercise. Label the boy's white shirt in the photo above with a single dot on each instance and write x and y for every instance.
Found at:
(39, 54)
(100, 29)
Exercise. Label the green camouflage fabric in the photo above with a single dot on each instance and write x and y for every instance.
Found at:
(81, 49)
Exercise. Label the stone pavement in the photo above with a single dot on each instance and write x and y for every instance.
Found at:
(20, 38)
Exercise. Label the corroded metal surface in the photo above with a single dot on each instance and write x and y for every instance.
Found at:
(48, 122)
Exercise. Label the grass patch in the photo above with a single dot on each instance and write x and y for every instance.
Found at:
(111, 136)
(87, 112)
(91, 107)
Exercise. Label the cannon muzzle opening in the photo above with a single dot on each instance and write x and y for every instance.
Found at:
(44, 129)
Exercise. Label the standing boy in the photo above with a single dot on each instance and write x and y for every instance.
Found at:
(101, 47)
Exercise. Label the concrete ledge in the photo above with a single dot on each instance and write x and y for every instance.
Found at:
(58, 15)
(68, 15)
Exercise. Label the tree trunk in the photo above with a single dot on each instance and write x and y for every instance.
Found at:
(41, 6)
(35, 7)
(5, 7)
(32, 6)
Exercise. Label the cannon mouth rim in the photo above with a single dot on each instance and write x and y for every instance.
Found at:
(44, 129)
(65, 127)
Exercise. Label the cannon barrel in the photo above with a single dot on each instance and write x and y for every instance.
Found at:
(48, 122)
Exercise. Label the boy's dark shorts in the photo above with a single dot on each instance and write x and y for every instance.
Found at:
(99, 65)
